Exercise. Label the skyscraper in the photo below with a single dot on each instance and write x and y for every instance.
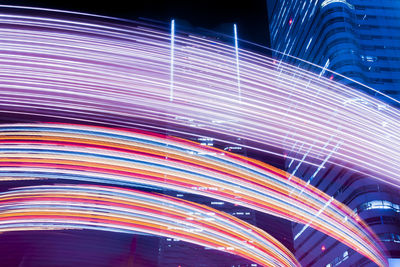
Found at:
(360, 40)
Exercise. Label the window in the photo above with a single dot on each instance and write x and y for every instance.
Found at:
(377, 204)
(389, 237)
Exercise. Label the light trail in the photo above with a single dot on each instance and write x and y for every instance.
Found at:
(130, 211)
(120, 74)
(139, 158)
(172, 59)
(105, 71)
(237, 61)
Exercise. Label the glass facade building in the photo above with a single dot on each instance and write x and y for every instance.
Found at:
(360, 40)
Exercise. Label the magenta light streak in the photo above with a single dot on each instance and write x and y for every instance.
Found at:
(176, 164)
(129, 211)
(120, 73)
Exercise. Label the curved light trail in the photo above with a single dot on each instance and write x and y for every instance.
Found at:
(130, 211)
(132, 158)
(86, 68)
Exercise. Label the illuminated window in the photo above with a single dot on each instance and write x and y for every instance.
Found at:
(378, 204)
(328, 2)
(368, 58)
(389, 237)
(217, 203)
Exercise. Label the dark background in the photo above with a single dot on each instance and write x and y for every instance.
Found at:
(219, 15)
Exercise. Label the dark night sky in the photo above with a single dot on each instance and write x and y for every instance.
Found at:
(250, 16)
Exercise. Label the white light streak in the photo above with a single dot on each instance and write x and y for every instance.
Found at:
(237, 62)
(171, 97)
(316, 215)
(131, 68)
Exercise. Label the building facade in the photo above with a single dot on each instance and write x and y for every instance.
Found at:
(360, 40)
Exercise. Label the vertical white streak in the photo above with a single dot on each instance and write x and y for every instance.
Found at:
(171, 96)
(237, 62)
(325, 68)
(316, 215)
(326, 159)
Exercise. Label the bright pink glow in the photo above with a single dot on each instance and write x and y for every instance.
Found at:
(121, 210)
(107, 155)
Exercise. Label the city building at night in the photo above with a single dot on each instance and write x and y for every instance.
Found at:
(360, 40)
(357, 39)
(190, 150)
